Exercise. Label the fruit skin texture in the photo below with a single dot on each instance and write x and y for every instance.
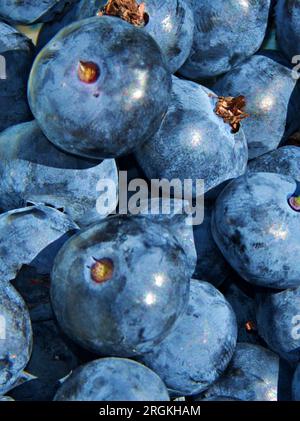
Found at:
(193, 142)
(112, 379)
(15, 350)
(135, 309)
(284, 160)
(225, 34)
(33, 170)
(270, 92)
(31, 11)
(252, 375)
(296, 384)
(121, 109)
(276, 325)
(257, 231)
(201, 344)
(17, 51)
(287, 20)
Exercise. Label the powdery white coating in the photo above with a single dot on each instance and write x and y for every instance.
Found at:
(257, 230)
(226, 33)
(113, 379)
(193, 142)
(287, 20)
(270, 91)
(200, 346)
(16, 336)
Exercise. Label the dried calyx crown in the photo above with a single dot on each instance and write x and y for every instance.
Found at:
(128, 10)
(231, 110)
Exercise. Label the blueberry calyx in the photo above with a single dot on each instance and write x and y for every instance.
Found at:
(294, 203)
(231, 110)
(88, 72)
(128, 10)
(102, 270)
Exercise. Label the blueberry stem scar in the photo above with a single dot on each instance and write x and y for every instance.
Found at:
(294, 203)
(129, 10)
(102, 270)
(88, 72)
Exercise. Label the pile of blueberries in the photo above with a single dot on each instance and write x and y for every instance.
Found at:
(149, 307)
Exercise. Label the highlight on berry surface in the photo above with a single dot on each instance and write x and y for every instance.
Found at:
(231, 110)
(88, 72)
(129, 10)
(102, 270)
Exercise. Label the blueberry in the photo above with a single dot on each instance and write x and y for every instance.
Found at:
(200, 346)
(257, 228)
(31, 236)
(128, 278)
(225, 34)
(112, 379)
(296, 384)
(116, 90)
(193, 142)
(288, 26)
(284, 160)
(218, 399)
(278, 319)
(252, 375)
(16, 56)
(270, 90)
(33, 170)
(15, 336)
(31, 11)
(6, 398)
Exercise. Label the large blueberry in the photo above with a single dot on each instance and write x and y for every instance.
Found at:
(256, 224)
(15, 336)
(193, 142)
(288, 26)
(33, 170)
(31, 236)
(201, 344)
(112, 379)
(225, 34)
(31, 11)
(16, 56)
(129, 279)
(278, 321)
(296, 384)
(272, 101)
(99, 99)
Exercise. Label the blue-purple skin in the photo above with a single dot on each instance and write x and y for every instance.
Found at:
(16, 343)
(287, 20)
(171, 24)
(31, 11)
(200, 346)
(112, 379)
(35, 390)
(217, 399)
(6, 399)
(211, 265)
(31, 236)
(193, 142)
(278, 322)
(33, 170)
(252, 375)
(16, 55)
(284, 160)
(270, 89)
(225, 34)
(137, 307)
(101, 118)
(257, 230)
(296, 384)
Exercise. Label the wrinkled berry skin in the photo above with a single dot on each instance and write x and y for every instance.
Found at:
(252, 375)
(278, 322)
(287, 20)
(284, 160)
(272, 97)
(296, 384)
(33, 170)
(16, 56)
(31, 236)
(225, 34)
(200, 346)
(257, 230)
(135, 309)
(16, 336)
(117, 112)
(193, 142)
(31, 11)
(113, 379)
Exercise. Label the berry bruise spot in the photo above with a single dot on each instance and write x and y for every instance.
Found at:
(102, 270)
(231, 110)
(128, 10)
(88, 72)
(294, 203)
